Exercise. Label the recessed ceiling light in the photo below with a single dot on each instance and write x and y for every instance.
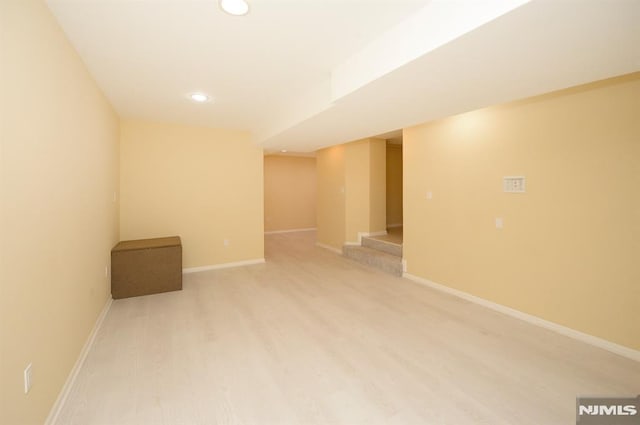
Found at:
(199, 97)
(235, 7)
(283, 150)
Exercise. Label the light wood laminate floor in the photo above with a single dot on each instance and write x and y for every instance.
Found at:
(312, 338)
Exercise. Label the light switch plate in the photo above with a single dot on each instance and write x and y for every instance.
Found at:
(513, 184)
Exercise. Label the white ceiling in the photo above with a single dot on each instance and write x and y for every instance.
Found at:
(304, 74)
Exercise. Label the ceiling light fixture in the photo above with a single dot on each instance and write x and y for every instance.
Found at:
(199, 97)
(235, 7)
(283, 150)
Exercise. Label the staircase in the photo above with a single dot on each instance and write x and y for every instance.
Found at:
(386, 256)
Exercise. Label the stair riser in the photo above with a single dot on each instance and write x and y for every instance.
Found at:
(383, 246)
(389, 265)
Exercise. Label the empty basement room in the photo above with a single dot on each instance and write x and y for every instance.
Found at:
(478, 158)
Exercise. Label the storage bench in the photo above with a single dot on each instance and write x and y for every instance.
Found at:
(146, 266)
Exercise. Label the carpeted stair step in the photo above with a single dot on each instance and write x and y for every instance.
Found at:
(372, 257)
(384, 246)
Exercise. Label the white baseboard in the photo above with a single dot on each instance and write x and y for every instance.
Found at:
(329, 247)
(391, 226)
(223, 266)
(621, 350)
(66, 388)
(273, 232)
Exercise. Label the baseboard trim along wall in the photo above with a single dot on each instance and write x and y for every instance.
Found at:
(223, 266)
(66, 388)
(621, 350)
(391, 226)
(273, 232)
(329, 247)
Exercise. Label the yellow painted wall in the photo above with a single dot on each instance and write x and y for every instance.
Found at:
(289, 192)
(204, 185)
(377, 185)
(331, 200)
(394, 184)
(569, 250)
(357, 189)
(351, 191)
(59, 172)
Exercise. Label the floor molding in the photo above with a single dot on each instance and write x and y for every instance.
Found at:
(329, 247)
(394, 225)
(66, 388)
(223, 266)
(274, 232)
(621, 350)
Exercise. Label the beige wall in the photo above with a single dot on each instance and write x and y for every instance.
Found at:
(331, 200)
(289, 192)
(204, 185)
(357, 189)
(569, 249)
(365, 188)
(351, 191)
(377, 185)
(394, 185)
(59, 173)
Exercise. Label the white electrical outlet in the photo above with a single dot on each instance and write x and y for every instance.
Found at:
(28, 380)
(499, 223)
(226, 242)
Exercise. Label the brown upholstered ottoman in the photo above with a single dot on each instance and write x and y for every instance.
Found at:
(146, 266)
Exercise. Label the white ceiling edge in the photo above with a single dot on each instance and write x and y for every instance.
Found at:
(390, 135)
(437, 24)
(537, 48)
(305, 105)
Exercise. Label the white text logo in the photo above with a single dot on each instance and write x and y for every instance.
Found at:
(615, 410)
